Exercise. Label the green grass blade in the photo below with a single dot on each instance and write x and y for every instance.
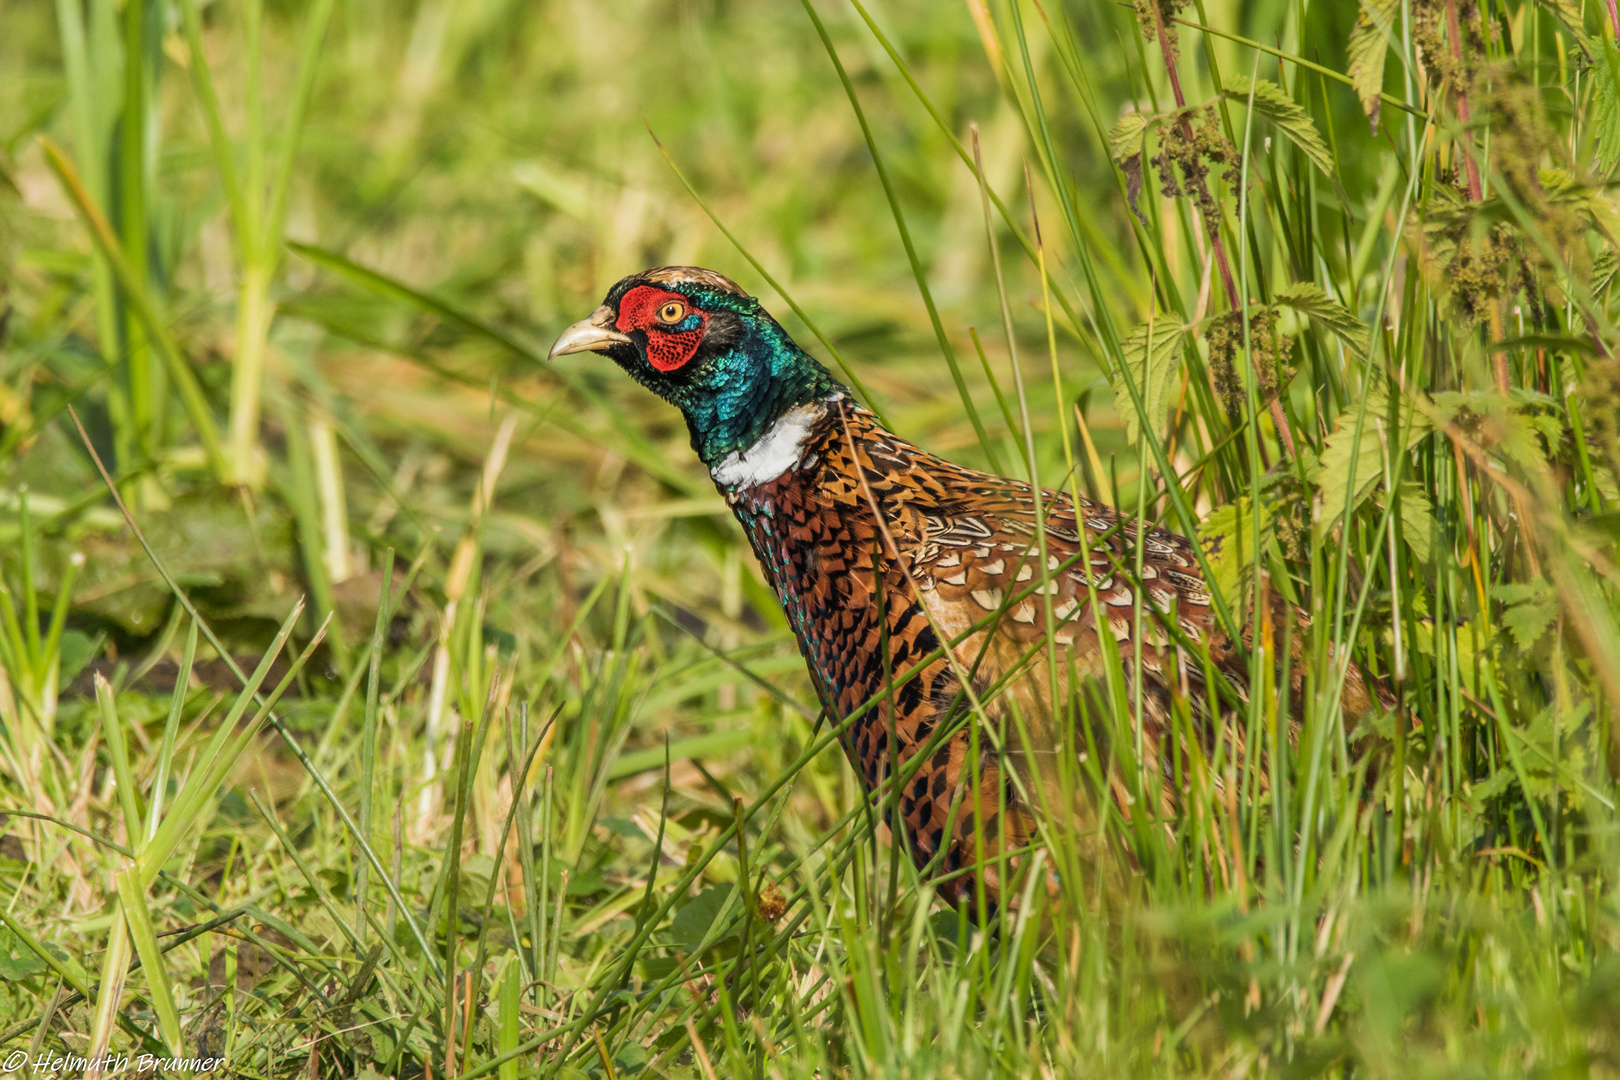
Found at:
(74, 978)
(281, 179)
(368, 727)
(508, 1020)
(112, 731)
(218, 756)
(759, 268)
(110, 990)
(51, 651)
(171, 732)
(197, 408)
(87, 98)
(219, 142)
(945, 348)
(138, 920)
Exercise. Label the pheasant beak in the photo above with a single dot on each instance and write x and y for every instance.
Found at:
(595, 334)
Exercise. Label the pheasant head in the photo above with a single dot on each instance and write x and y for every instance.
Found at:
(694, 338)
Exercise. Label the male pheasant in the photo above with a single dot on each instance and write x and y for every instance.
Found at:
(923, 594)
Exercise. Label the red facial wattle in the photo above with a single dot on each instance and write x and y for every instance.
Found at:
(667, 348)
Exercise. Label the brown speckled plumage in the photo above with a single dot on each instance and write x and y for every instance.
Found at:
(968, 548)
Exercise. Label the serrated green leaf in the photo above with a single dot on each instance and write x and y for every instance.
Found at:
(1492, 786)
(1267, 99)
(1353, 456)
(1227, 537)
(1603, 272)
(1529, 609)
(1569, 13)
(1417, 520)
(1556, 721)
(1548, 426)
(1152, 371)
(1605, 76)
(1589, 202)
(1126, 143)
(1125, 138)
(1506, 425)
(1308, 299)
(1369, 44)
(1527, 622)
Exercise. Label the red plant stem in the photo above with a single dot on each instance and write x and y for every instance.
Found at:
(1476, 190)
(1187, 129)
(1278, 416)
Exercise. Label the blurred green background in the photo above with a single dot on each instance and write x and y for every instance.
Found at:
(501, 158)
(294, 265)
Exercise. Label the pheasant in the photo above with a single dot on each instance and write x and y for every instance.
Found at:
(927, 598)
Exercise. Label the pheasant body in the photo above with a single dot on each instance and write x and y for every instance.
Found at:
(922, 593)
(956, 550)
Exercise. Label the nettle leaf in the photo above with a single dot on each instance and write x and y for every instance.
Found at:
(1605, 76)
(1603, 273)
(1493, 785)
(1569, 13)
(1549, 426)
(1354, 455)
(1152, 371)
(1309, 299)
(1506, 425)
(1369, 44)
(1557, 727)
(1127, 137)
(1267, 99)
(1417, 520)
(1606, 481)
(1530, 609)
(1589, 202)
(1126, 143)
(1227, 537)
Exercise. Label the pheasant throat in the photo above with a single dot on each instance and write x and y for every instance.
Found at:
(775, 453)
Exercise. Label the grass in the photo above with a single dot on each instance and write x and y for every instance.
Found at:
(394, 704)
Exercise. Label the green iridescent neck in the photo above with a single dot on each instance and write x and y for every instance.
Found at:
(759, 374)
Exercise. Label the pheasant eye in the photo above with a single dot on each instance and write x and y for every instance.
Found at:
(672, 312)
